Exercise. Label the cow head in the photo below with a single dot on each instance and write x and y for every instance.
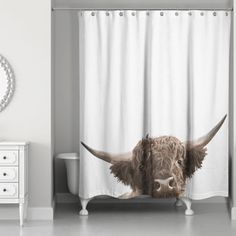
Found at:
(159, 166)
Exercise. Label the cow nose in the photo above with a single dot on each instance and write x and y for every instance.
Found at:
(165, 182)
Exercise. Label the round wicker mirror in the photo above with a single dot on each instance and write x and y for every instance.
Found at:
(7, 82)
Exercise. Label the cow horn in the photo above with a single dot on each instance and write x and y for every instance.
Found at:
(204, 140)
(108, 157)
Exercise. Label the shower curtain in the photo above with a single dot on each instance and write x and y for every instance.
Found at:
(149, 74)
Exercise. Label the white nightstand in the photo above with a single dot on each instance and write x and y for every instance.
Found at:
(14, 175)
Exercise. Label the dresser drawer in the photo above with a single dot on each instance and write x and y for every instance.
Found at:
(8, 174)
(8, 190)
(8, 158)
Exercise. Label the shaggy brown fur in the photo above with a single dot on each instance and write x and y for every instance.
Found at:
(195, 157)
(159, 158)
(154, 158)
(124, 172)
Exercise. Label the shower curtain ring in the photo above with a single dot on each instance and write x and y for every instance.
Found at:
(189, 12)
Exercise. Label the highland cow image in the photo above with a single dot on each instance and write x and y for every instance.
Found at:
(158, 166)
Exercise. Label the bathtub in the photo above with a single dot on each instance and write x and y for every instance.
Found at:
(72, 170)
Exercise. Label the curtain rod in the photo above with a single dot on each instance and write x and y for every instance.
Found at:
(138, 9)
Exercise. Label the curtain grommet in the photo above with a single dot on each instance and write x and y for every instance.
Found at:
(202, 14)
(147, 13)
(107, 13)
(214, 13)
(92, 13)
(226, 13)
(121, 14)
(133, 13)
(161, 13)
(190, 13)
(176, 13)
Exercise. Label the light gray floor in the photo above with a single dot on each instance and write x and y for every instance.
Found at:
(133, 219)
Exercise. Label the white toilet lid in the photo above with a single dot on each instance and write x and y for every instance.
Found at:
(71, 156)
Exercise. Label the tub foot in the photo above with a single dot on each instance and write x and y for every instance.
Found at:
(178, 202)
(188, 203)
(84, 203)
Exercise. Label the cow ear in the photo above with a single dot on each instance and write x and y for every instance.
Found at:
(196, 150)
(194, 159)
(123, 171)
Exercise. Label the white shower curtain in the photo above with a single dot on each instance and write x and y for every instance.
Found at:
(157, 73)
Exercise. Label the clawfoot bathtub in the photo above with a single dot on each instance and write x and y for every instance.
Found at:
(72, 171)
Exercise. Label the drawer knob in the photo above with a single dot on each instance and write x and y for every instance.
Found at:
(4, 190)
(4, 174)
(4, 157)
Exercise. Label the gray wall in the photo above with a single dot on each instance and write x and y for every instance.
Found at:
(232, 98)
(66, 90)
(26, 42)
(66, 68)
(145, 4)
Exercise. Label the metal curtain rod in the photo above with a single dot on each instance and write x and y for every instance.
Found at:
(138, 9)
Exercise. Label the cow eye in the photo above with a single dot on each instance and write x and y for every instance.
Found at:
(141, 167)
(179, 162)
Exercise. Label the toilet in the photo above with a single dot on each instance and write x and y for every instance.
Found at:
(72, 170)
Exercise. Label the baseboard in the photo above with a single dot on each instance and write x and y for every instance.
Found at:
(233, 213)
(70, 198)
(53, 205)
(232, 210)
(11, 212)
